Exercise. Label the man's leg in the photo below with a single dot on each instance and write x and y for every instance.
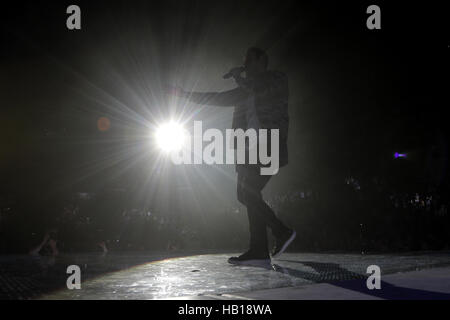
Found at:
(257, 227)
(258, 251)
(261, 214)
(258, 231)
(259, 209)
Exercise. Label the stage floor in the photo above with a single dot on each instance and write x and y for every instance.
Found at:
(143, 275)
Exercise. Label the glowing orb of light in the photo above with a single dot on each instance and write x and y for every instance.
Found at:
(170, 136)
(103, 124)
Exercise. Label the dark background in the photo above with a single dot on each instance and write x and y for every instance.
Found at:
(357, 95)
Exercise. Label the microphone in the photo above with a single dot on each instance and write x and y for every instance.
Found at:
(232, 71)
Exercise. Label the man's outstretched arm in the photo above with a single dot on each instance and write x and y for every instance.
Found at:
(228, 98)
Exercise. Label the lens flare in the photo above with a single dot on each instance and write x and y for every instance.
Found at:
(170, 136)
(399, 155)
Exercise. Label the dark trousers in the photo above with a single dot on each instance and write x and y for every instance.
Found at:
(260, 215)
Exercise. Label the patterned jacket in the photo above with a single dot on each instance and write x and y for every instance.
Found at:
(271, 95)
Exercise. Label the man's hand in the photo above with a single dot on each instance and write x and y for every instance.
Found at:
(174, 91)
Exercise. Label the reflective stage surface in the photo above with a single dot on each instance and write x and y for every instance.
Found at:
(208, 276)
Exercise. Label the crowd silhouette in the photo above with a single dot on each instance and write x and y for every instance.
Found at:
(350, 215)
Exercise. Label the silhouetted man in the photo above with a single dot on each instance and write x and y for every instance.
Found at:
(261, 102)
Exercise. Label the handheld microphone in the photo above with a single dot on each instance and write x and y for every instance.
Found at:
(230, 74)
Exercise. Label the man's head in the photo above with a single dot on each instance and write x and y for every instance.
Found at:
(255, 62)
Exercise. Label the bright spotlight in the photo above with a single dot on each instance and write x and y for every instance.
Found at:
(170, 136)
